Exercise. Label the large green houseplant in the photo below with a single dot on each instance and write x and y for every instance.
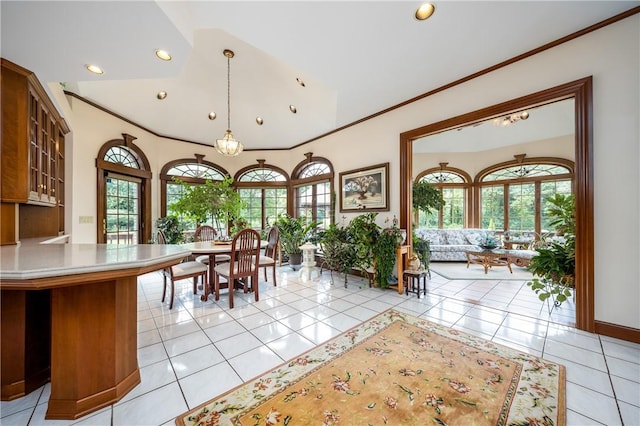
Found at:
(554, 265)
(339, 254)
(294, 232)
(214, 200)
(172, 228)
(426, 198)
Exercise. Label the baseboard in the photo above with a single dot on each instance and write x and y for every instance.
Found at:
(618, 331)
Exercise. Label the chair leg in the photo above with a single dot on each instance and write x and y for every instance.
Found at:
(195, 285)
(231, 284)
(265, 274)
(216, 285)
(274, 275)
(164, 287)
(255, 284)
(173, 288)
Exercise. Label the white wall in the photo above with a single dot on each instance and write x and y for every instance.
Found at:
(611, 55)
(474, 162)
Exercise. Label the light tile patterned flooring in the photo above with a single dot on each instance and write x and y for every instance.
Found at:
(198, 350)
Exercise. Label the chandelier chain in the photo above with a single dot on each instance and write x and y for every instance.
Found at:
(228, 93)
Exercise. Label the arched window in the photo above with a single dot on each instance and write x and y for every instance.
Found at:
(264, 190)
(454, 185)
(313, 189)
(512, 195)
(124, 193)
(194, 171)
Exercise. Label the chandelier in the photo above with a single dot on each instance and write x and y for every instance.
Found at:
(510, 119)
(228, 145)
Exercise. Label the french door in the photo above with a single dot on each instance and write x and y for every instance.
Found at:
(122, 215)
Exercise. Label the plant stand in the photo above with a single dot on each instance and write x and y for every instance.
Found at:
(308, 261)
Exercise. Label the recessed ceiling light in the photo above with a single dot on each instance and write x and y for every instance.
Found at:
(163, 54)
(162, 95)
(259, 120)
(293, 109)
(425, 11)
(212, 115)
(300, 82)
(94, 69)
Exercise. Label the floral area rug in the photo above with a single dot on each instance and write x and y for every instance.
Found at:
(396, 369)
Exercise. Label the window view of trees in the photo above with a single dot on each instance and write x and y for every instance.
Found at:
(265, 194)
(123, 207)
(175, 175)
(527, 186)
(312, 197)
(453, 187)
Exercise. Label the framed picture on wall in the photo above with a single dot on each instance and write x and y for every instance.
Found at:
(365, 189)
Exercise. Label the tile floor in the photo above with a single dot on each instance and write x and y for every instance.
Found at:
(198, 350)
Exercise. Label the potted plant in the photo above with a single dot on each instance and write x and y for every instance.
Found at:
(337, 251)
(426, 198)
(294, 232)
(363, 234)
(214, 200)
(555, 264)
(384, 254)
(172, 229)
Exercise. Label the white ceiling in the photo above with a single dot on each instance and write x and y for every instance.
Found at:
(356, 58)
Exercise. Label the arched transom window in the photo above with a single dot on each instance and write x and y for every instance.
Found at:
(122, 155)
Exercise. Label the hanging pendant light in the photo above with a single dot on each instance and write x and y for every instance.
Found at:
(228, 145)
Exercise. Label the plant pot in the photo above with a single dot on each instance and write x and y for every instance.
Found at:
(295, 261)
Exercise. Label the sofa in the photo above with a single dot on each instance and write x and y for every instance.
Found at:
(451, 244)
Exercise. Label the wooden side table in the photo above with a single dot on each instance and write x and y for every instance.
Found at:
(412, 281)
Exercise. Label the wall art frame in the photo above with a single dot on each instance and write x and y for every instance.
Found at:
(365, 189)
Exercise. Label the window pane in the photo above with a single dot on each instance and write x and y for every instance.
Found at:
(453, 210)
(522, 214)
(304, 200)
(275, 203)
(323, 204)
(492, 214)
(252, 210)
(548, 189)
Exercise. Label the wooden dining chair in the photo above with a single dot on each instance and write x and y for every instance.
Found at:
(243, 267)
(270, 253)
(208, 233)
(181, 271)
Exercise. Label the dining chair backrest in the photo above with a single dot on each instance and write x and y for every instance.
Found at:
(205, 233)
(245, 254)
(160, 237)
(181, 271)
(272, 242)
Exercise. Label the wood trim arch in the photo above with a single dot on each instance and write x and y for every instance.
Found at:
(556, 161)
(469, 212)
(164, 177)
(582, 92)
(144, 174)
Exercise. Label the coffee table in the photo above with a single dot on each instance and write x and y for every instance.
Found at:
(488, 258)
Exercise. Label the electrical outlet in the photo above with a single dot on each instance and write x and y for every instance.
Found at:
(86, 219)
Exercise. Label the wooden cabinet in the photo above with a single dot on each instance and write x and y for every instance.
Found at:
(32, 161)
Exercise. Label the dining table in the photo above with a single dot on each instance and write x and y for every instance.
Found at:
(212, 249)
